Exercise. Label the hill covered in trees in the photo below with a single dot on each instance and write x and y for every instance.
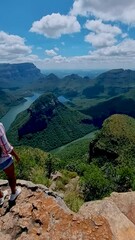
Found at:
(48, 124)
(121, 104)
(106, 163)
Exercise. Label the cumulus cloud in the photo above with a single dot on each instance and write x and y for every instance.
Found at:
(100, 40)
(104, 34)
(124, 50)
(12, 46)
(50, 53)
(98, 26)
(54, 25)
(121, 55)
(121, 10)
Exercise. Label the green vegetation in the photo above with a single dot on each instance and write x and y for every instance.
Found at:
(89, 169)
(122, 104)
(32, 165)
(48, 125)
(111, 165)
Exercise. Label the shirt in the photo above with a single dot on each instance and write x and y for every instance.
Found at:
(6, 146)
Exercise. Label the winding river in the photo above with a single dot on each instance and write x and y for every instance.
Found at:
(12, 113)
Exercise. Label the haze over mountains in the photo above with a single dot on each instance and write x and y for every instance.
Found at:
(98, 97)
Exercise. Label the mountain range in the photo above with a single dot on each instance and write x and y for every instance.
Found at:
(16, 75)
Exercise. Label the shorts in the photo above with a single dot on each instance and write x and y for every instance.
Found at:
(6, 163)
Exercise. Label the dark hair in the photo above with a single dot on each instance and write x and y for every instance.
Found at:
(1, 150)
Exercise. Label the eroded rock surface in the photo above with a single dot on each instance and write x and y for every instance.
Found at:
(118, 210)
(41, 215)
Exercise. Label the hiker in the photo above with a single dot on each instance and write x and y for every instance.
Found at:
(7, 165)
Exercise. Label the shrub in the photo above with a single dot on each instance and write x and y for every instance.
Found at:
(94, 184)
(73, 201)
(125, 178)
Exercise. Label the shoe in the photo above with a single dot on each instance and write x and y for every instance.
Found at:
(14, 196)
(5, 193)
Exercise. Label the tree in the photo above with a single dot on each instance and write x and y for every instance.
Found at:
(49, 165)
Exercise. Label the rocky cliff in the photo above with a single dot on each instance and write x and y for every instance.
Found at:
(41, 214)
(16, 75)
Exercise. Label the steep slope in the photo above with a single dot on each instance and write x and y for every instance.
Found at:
(7, 100)
(122, 104)
(111, 83)
(113, 152)
(16, 75)
(118, 78)
(117, 136)
(48, 124)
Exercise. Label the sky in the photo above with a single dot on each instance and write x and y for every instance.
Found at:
(68, 34)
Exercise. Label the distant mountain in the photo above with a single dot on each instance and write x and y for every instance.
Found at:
(122, 104)
(7, 100)
(117, 77)
(69, 86)
(48, 124)
(108, 84)
(111, 83)
(16, 75)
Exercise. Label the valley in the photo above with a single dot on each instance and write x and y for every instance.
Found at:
(79, 126)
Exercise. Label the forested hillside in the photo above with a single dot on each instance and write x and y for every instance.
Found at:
(48, 124)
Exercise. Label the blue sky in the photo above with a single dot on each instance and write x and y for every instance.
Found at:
(68, 34)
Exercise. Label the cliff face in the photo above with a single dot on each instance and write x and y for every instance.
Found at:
(12, 75)
(37, 215)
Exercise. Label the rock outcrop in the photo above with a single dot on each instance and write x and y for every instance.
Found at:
(118, 210)
(41, 215)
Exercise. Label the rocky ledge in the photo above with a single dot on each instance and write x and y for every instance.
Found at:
(42, 215)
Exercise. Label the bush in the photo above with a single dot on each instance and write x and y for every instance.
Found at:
(94, 184)
(73, 201)
(125, 178)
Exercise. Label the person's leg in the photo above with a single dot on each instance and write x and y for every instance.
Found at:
(10, 172)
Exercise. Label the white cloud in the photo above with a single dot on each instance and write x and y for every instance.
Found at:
(123, 50)
(120, 56)
(50, 53)
(100, 40)
(104, 34)
(121, 10)
(98, 26)
(13, 44)
(54, 25)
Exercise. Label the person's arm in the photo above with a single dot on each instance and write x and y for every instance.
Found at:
(7, 147)
(14, 154)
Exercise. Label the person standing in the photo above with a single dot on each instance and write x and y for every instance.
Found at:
(7, 165)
